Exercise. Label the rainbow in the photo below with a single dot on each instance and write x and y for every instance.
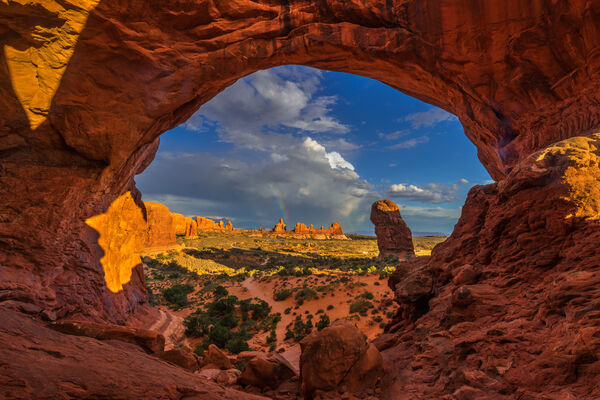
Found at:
(280, 203)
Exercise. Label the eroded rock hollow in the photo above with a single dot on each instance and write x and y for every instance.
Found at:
(86, 88)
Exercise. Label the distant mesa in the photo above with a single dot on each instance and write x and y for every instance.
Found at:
(308, 232)
(279, 227)
(163, 227)
(393, 235)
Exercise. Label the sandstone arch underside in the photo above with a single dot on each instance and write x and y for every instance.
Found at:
(86, 88)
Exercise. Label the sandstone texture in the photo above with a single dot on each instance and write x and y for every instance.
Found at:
(266, 370)
(87, 87)
(161, 227)
(508, 306)
(279, 227)
(150, 341)
(339, 356)
(185, 226)
(393, 235)
(53, 365)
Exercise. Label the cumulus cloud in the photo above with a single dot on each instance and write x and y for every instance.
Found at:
(285, 153)
(266, 100)
(428, 118)
(313, 185)
(430, 193)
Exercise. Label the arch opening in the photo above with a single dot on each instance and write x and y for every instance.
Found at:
(307, 146)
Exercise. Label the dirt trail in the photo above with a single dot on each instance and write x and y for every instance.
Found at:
(170, 326)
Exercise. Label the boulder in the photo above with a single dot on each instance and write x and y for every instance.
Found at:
(209, 373)
(228, 376)
(338, 355)
(266, 370)
(215, 356)
(393, 235)
(181, 356)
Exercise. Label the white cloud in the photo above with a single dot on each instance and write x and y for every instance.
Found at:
(251, 189)
(337, 161)
(463, 181)
(428, 118)
(269, 99)
(407, 144)
(286, 151)
(430, 193)
(334, 158)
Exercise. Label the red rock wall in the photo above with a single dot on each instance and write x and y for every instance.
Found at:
(301, 229)
(87, 87)
(160, 226)
(180, 222)
(509, 303)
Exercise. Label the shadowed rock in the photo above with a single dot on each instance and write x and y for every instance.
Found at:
(339, 356)
(393, 236)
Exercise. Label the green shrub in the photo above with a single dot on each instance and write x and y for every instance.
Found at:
(330, 307)
(304, 294)
(177, 294)
(237, 345)
(260, 310)
(222, 306)
(288, 310)
(367, 295)
(197, 324)
(323, 322)
(272, 338)
(360, 306)
(220, 291)
(219, 335)
(283, 294)
(301, 329)
(229, 320)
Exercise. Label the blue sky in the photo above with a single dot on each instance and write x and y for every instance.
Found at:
(315, 147)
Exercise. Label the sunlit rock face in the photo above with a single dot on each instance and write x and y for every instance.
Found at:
(86, 88)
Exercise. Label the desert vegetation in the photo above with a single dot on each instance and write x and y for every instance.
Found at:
(239, 291)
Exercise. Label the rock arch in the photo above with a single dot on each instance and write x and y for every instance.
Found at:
(86, 88)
